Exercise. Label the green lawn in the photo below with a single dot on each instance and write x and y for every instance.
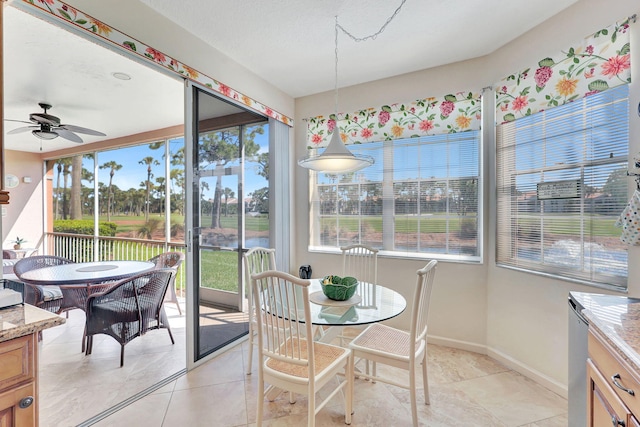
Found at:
(570, 225)
(127, 223)
(219, 270)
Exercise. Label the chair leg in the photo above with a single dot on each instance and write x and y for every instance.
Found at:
(350, 375)
(170, 335)
(261, 396)
(425, 380)
(250, 358)
(311, 413)
(121, 355)
(412, 393)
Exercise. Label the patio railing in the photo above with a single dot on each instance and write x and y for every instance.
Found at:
(83, 248)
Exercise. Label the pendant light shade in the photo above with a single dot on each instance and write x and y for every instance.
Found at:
(336, 158)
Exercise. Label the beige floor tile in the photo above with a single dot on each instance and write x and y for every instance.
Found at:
(513, 398)
(466, 389)
(559, 421)
(147, 412)
(227, 367)
(217, 405)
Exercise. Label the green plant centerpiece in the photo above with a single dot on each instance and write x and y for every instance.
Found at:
(339, 288)
(18, 242)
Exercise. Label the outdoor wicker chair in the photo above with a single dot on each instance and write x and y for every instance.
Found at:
(129, 309)
(47, 297)
(171, 260)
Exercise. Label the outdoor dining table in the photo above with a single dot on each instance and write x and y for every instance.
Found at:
(78, 280)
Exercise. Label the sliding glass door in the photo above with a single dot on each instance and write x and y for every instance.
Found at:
(228, 206)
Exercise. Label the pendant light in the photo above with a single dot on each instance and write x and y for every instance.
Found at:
(337, 158)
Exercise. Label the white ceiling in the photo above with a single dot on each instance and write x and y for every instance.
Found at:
(289, 43)
(45, 63)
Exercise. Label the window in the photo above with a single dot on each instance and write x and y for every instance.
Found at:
(420, 198)
(561, 184)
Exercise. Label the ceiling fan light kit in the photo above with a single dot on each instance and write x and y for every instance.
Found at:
(46, 126)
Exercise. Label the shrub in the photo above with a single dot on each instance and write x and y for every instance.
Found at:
(84, 226)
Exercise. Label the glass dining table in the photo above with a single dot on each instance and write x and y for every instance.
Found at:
(372, 303)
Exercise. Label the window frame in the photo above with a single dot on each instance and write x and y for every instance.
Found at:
(388, 205)
(505, 229)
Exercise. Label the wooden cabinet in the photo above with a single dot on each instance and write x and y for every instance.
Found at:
(18, 382)
(613, 387)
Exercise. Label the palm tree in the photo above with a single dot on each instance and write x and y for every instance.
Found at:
(149, 161)
(160, 189)
(113, 167)
(222, 147)
(61, 166)
(66, 171)
(227, 193)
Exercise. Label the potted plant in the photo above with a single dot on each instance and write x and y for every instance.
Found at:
(18, 242)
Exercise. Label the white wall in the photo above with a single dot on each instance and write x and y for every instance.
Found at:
(519, 318)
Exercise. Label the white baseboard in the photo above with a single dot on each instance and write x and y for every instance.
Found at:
(511, 363)
(462, 345)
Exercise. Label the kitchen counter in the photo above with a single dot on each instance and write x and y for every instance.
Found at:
(19, 329)
(25, 319)
(617, 319)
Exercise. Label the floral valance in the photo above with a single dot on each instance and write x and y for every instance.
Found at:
(90, 25)
(430, 116)
(601, 62)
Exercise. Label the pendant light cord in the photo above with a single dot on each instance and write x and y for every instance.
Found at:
(357, 39)
(376, 34)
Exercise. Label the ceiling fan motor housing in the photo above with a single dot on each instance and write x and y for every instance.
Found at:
(42, 118)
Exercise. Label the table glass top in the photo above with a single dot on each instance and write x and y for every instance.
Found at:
(371, 304)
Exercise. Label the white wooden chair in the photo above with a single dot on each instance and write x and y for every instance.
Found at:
(361, 262)
(383, 344)
(256, 260)
(290, 359)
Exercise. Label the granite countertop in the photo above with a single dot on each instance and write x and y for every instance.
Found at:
(25, 319)
(618, 321)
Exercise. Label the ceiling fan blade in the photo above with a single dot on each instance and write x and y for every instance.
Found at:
(18, 121)
(22, 129)
(79, 129)
(66, 134)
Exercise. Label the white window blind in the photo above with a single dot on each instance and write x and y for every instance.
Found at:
(561, 183)
(420, 198)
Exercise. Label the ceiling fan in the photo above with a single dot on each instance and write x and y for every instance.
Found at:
(49, 127)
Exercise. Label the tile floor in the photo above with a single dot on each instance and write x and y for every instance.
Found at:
(467, 389)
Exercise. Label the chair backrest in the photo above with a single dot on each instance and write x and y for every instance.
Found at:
(280, 301)
(168, 260)
(8, 255)
(257, 260)
(420, 304)
(361, 262)
(143, 294)
(38, 261)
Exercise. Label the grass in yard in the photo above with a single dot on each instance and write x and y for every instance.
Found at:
(219, 270)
